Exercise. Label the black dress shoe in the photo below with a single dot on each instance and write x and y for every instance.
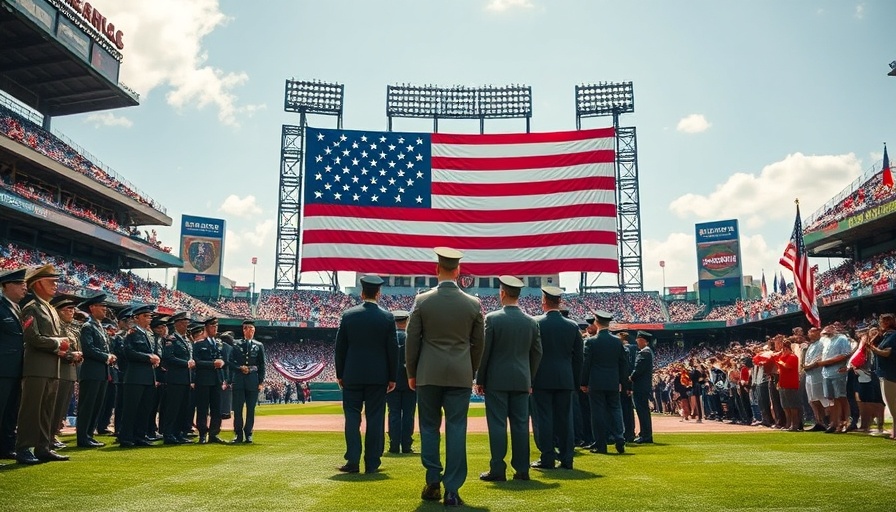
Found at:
(566, 466)
(521, 476)
(431, 492)
(104, 432)
(90, 443)
(142, 442)
(58, 445)
(602, 451)
(8, 455)
(237, 439)
(126, 444)
(620, 446)
(642, 440)
(370, 471)
(349, 468)
(394, 450)
(184, 440)
(248, 439)
(202, 440)
(171, 440)
(539, 464)
(452, 499)
(154, 437)
(26, 457)
(216, 439)
(191, 434)
(407, 450)
(488, 476)
(50, 456)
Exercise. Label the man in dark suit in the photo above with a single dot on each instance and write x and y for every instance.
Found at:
(366, 356)
(444, 348)
(581, 407)
(12, 285)
(402, 401)
(177, 358)
(159, 327)
(95, 370)
(555, 382)
(510, 358)
(209, 379)
(604, 375)
(247, 362)
(227, 390)
(125, 321)
(641, 379)
(45, 347)
(139, 380)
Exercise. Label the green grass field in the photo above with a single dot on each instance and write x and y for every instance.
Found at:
(764, 471)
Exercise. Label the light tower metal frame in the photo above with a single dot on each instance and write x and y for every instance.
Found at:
(607, 99)
(304, 98)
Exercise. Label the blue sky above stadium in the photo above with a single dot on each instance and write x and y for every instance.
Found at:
(740, 108)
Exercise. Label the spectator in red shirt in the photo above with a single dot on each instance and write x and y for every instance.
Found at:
(788, 385)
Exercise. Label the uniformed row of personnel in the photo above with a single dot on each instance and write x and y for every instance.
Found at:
(133, 367)
(521, 364)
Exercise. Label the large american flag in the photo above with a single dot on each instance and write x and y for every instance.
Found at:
(796, 260)
(522, 204)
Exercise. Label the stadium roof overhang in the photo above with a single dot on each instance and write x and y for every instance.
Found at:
(48, 77)
(838, 239)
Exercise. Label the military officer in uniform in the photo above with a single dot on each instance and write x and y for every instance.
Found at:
(46, 344)
(444, 348)
(139, 380)
(177, 358)
(625, 396)
(604, 375)
(555, 382)
(125, 321)
(159, 327)
(71, 361)
(510, 359)
(642, 384)
(227, 390)
(209, 380)
(95, 370)
(12, 285)
(366, 356)
(247, 362)
(107, 404)
(403, 400)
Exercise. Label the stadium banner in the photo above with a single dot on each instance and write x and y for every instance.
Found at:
(835, 228)
(522, 204)
(719, 271)
(40, 12)
(202, 251)
(73, 38)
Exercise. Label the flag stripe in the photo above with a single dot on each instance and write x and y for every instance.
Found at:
(401, 267)
(349, 214)
(425, 254)
(531, 202)
(796, 260)
(450, 229)
(522, 138)
(522, 149)
(523, 189)
(522, 175)
(329, 236)
(522, 162)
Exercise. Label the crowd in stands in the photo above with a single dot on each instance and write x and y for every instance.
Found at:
(684, 311)
(870, 194)
(124, 287)
(857, 274)
(24, 131)
(39, 192)
(236, 308)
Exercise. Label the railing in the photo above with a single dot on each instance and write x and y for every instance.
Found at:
(35, 118)
(846, 192)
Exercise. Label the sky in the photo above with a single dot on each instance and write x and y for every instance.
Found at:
(740, 107)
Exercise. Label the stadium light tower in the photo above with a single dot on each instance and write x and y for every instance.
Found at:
(607, 99)
(892, 68)
(304, 98)
(459, 102)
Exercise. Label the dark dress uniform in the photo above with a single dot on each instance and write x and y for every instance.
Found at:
(553, 387)
(625, 398)
(139, 383)
(366, 357)
(12, 350)
(176, 355)
(642, 381)
(208, 380)
(94, 379)
(121, 368)
(510, 358)
(402, 401)
(605, 369)
(226, 394)
(248, 353)
(158, 392)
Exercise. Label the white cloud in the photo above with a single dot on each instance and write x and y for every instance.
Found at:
(506, 5)
(758, 198)
(860, 11)
(165, 50)
(108, 119)
(245, 207)
(694, 123)
(249, 239)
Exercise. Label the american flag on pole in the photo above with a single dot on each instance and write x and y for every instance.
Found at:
(796, 260)
(522, 204)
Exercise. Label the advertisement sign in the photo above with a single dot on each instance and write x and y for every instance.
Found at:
(105, 63)
(73, 37)
(202, 251)
(718, 254)
(40, 12)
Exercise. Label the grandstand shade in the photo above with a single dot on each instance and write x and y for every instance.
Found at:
(48, 170)
(44, 74)
(860, 231)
